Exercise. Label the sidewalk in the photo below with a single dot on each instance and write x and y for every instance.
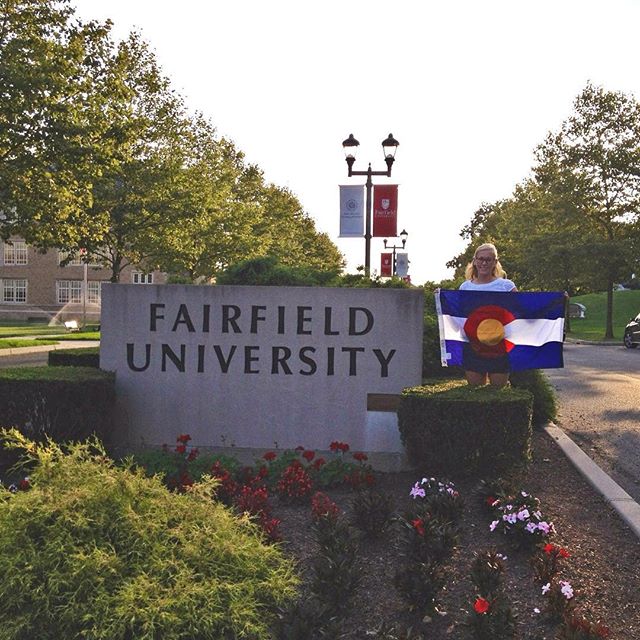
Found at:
(628, 509)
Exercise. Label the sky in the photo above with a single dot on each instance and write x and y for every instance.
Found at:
(468, 87)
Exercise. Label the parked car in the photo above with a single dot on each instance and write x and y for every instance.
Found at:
(632, 333)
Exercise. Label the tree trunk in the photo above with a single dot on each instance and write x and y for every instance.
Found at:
(116, 268)
(609, 330)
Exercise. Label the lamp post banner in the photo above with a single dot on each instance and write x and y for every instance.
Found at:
(402, 264)
(351, 211)
(385, 264)
(385, 210)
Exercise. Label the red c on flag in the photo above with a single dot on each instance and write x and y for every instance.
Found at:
(485, 329)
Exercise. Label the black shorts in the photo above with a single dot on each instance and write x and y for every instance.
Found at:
(472, 362)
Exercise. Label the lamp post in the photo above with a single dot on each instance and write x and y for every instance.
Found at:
(389, 147)
(403, 237)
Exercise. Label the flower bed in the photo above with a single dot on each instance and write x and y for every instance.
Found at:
(549, 566)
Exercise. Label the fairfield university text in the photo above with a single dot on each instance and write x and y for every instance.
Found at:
(237, 353)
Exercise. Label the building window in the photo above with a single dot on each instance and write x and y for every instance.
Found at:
(93, 292)
(137, 277)
(14, 290)
(15, 253)
(69, 291)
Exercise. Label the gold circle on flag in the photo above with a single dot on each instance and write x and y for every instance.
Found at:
(490, 331)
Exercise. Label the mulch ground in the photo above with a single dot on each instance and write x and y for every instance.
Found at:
(604, 567)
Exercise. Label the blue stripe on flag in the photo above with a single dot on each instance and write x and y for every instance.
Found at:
(548, 356)
(522, 304)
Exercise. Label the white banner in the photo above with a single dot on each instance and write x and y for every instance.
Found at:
(351, 211)
(402, 264)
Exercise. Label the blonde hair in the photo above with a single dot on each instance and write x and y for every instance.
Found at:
(471, 271)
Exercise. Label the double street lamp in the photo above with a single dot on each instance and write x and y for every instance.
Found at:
(403, 237)
(389, 147)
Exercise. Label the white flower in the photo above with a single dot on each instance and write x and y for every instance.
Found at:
(509, 507)
(493, 525)
(545, 588)
(544, 527)
(566, 589)
(524, 494)
(537, 514)
(536, 610)
(499, 555)
(523, 515)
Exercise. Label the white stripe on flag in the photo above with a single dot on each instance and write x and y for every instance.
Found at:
(530, 332)
(534, 333)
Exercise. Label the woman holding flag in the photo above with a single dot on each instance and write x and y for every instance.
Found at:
(485, 273)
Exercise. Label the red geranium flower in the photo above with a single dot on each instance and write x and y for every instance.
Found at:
(318, 463)
(193, 454)
(418, 525)
(181, 448)
(360, 457)
(481, 605)
(184, 438)
(548, 548)
(490, 500)
(563, 553)
(299, 448)
(269, 456)
(309, 455)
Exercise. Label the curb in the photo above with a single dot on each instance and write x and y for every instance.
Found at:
(598, 343)
(69, 344)
(628, 509)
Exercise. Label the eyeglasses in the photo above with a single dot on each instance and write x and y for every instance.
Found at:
(485, 260)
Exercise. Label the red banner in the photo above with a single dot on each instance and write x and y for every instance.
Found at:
(385, 264)
(385, 210)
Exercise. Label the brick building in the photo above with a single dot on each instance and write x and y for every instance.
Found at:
(34, 286)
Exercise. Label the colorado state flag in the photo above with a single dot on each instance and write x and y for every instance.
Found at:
(500, 331)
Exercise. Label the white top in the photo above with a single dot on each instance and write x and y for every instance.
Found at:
(499, 284)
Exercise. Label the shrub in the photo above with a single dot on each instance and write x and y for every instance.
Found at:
(88, 357)
(544, 398)
(267, 271)
(372, 512)
(100, 552)
(451, 427)
(63, 403)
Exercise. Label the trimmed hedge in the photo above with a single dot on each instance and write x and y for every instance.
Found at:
(545, 408)
(451, 428)
(87, 357)
(64, 403)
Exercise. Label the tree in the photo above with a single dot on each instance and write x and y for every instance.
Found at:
(593, 165)
(51, 125)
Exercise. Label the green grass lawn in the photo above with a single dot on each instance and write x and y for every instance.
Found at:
(23, 329)
(626, 305)
(16, 330)
(16, 343)
(80, 335)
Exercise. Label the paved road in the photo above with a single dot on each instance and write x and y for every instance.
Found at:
(599, 396)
